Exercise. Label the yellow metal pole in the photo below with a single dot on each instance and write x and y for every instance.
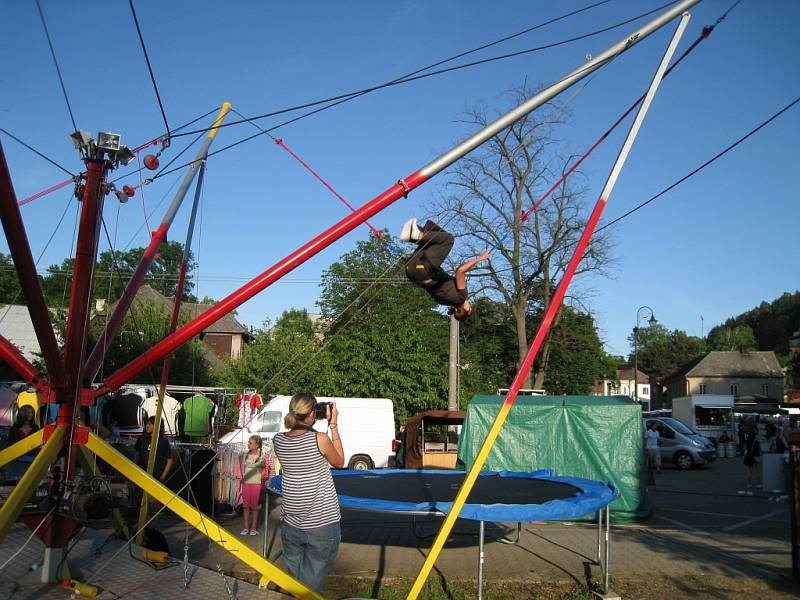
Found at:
(25, 445)
(151, 458)
(87, 461)
(208, 527)
(22, 491)
(226, 107)
(547, 321)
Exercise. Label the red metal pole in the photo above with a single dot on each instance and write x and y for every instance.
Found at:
(380, 202)
(21, 365)
(83, 269)
(29, 281)
(267, 278)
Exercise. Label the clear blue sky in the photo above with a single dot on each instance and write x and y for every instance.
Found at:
(715, 246)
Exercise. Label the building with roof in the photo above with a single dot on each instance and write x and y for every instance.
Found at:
(625, 384)
(16, 326)
(747, 376)
(224, 339)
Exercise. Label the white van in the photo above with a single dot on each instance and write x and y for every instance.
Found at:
(365, 424)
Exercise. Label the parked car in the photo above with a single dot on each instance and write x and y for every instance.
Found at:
(680, 445)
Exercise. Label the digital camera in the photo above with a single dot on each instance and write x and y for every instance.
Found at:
(322, 410)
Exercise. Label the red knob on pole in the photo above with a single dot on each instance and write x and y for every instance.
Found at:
(129, 191)
(151, 162)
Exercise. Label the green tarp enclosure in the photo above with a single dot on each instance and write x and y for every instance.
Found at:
(597, 437)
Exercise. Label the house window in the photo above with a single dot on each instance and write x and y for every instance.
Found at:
(765, 389)
(702, 388)
(646, 390)
(734, 389)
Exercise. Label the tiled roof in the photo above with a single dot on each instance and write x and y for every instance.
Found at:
(625, 373)
(227, 324)
(732, 364)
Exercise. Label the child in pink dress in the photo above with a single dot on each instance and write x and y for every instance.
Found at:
(256, 463)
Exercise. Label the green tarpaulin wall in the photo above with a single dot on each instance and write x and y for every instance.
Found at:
(597, 437)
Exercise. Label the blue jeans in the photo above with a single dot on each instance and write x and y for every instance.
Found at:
(310, 553)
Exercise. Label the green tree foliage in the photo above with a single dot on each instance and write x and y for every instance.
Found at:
(488, 350)
(487, 194)
(9, 282)
(727, 339)
(661, 351)
(385, 338)
(113, 270)
(144, 326)
(576, 356)
(283, 359)
(575, 361)
(772, 323)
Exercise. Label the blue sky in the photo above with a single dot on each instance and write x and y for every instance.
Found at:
(715, 246)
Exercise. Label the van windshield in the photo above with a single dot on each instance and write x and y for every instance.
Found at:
(677, 425)
(267, 421)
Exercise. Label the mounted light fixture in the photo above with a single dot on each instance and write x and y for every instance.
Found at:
(109, 141)
(81, 139)
(125, 156)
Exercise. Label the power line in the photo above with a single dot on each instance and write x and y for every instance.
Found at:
(35, 151)
(677, 182)
(346, 97)
(149, 67)
(55, 62)
(703, 166)
(418, 73)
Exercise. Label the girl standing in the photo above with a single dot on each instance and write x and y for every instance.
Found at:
(256, 464)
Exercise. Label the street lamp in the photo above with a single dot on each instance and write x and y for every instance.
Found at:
(651, 322)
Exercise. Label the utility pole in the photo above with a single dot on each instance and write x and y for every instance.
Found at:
(453, 373)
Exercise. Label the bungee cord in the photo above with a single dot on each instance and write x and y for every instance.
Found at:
(153, 142)
(336, 100)
(47, 158)
(684, 178)
(55, 62)
(417, 74)
(150, 69)
(308, 168)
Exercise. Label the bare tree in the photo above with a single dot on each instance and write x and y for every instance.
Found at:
(485, 201)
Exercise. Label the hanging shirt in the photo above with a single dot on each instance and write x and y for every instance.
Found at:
(169, 411)
(248, 405)
(197, 410)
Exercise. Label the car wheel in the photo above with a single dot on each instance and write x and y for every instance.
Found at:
(683, 460)
(360, 462)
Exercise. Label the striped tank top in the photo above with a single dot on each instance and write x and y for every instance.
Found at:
(309, 496)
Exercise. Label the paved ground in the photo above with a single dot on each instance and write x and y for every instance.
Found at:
(700, 526)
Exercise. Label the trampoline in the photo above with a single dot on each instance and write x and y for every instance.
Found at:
(503, 496)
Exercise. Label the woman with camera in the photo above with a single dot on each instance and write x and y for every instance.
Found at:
(310, 531)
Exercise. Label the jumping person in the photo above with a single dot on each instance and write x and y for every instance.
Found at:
(424, 267)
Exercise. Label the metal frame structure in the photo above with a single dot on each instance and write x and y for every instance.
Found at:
(71, 375)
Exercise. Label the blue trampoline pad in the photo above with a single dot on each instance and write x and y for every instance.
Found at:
(496, 496)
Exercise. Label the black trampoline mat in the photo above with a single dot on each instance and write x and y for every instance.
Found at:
(437, 487)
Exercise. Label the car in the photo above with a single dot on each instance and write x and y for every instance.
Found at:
(680, 445)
